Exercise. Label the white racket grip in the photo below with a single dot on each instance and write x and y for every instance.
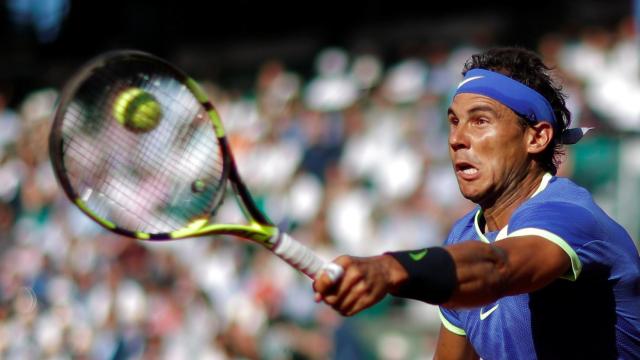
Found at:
(304, 259)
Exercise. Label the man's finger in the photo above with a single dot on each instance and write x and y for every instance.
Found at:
(352, 297)
(331, 274)
(323, 283)
(343, 288)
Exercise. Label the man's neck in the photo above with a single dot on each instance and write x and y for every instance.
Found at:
(498, 214)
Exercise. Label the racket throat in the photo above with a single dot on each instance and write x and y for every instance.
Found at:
(274, 241)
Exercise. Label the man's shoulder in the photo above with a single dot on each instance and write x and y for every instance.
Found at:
(561, 193)
(563, 189)
(560, 197)
(568, 212)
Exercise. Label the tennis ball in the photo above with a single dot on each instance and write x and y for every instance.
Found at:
(198, 186)
(137, 110)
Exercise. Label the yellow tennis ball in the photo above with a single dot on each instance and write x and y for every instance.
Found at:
(137, 110)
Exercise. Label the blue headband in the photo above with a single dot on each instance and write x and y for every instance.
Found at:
(520, 98)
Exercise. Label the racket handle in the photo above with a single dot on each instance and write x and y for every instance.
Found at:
(303, 258)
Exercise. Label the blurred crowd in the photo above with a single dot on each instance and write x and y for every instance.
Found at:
(351, 159)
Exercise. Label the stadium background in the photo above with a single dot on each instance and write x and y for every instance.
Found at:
(346, 102)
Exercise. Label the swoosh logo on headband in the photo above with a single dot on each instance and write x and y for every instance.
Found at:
(469, 79)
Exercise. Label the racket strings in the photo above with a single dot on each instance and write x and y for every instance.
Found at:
(130, 188)
(143, 181)
(115, 191)
(105, 163)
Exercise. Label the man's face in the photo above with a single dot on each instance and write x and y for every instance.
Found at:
(487, 146)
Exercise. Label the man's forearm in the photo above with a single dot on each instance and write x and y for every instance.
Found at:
(480, 273)
(474, 273)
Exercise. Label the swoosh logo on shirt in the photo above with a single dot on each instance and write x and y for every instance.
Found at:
(484, 315)
(419, 255)
(469, 79)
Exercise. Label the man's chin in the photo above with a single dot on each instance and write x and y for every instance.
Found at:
(472, 195)
(473, 198)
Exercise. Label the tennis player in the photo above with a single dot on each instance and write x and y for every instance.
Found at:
(537, 270)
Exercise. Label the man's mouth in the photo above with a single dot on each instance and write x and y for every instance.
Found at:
(466, 170)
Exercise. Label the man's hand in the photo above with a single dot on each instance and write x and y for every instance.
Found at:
(365, 282)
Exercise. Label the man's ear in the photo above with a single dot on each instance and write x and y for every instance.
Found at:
(538, 137)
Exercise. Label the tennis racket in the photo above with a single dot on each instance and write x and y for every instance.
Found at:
(164, 183)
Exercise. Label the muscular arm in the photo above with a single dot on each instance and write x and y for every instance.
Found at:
(485, 272)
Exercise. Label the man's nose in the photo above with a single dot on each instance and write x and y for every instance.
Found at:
(458, 138)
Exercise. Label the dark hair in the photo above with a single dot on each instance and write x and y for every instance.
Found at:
(528, 68)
